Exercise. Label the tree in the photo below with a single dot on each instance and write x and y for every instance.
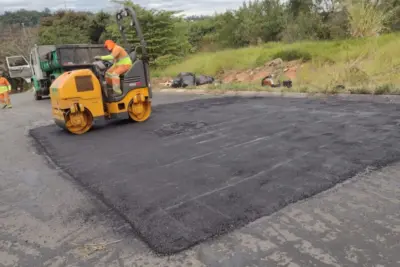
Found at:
(165, 34)
(29, 18)
(297, 7)
(71, 27)
(368, 18)
(254, 22)
(392, 22)
(64, 27)
(17, 40)
(198, 29)
(226, 25)
(98, 25)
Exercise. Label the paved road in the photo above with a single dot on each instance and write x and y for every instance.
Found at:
(48, 220)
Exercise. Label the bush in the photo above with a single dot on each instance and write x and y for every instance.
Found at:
(293, 54)
(359, 91)
(366, 19)
(385, 89)
(165, 61)
(306, 26)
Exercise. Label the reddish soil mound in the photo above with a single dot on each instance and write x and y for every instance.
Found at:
(276, 67)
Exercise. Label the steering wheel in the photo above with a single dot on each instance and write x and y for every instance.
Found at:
(102, 68)
(107, 64)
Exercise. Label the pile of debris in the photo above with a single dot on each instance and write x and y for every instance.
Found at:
(272, 82)
(188, 79)
(275, 73)
(269, 74)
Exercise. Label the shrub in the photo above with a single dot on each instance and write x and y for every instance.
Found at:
(165, 61)
(385, 89)
(366, 19)
(360, 91)
(293, 54)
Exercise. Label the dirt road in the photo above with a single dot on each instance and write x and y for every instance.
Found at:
(48, 220)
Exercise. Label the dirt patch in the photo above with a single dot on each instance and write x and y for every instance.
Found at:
(161, 82)
(277, 68)
(290, 73)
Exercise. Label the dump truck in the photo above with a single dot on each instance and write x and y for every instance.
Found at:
(50, 61)
(17, 71)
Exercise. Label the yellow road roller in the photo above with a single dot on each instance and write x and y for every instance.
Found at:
(81, 97)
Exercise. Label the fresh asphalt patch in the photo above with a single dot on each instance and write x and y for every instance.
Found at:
(201, 168)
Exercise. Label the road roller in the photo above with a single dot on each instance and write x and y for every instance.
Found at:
(81, 98)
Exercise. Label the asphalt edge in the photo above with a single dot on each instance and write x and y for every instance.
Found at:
(393, 99)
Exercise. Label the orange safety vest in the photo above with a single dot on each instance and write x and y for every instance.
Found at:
(119, 56)
(4, 85)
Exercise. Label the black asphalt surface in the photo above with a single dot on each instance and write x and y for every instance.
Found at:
(202, 168)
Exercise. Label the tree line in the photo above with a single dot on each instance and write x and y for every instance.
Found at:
(171, 37)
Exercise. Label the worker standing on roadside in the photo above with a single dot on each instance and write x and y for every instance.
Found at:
(122, 64)
(5, 89)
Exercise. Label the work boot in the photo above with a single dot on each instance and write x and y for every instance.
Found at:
(117, 90)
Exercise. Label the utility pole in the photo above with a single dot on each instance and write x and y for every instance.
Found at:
(23, 29)
(65, 4)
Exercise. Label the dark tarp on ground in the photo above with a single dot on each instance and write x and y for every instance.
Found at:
(202, 168)
(202, 79)
(184, 79)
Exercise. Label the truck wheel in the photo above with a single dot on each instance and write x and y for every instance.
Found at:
(37, 97)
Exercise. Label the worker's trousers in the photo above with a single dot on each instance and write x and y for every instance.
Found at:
(113, 74)
(5, 98)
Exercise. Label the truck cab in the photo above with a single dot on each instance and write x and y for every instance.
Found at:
(39, 79)
(18, 67)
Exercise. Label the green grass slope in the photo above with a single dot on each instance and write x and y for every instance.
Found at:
(370, 65)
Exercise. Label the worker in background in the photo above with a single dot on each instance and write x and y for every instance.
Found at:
(122, 64)
(5, 89)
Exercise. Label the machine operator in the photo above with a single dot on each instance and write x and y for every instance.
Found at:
(122, 64)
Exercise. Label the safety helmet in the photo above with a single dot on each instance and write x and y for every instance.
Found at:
(109, 44)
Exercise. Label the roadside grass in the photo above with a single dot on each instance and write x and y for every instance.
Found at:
(363, 65)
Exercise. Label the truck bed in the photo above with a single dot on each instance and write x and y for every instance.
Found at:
(79, 54)
(72, 56)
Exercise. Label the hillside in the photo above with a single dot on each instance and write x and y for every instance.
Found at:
(368, 65)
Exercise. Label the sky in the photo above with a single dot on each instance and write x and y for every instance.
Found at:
(189, 7)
